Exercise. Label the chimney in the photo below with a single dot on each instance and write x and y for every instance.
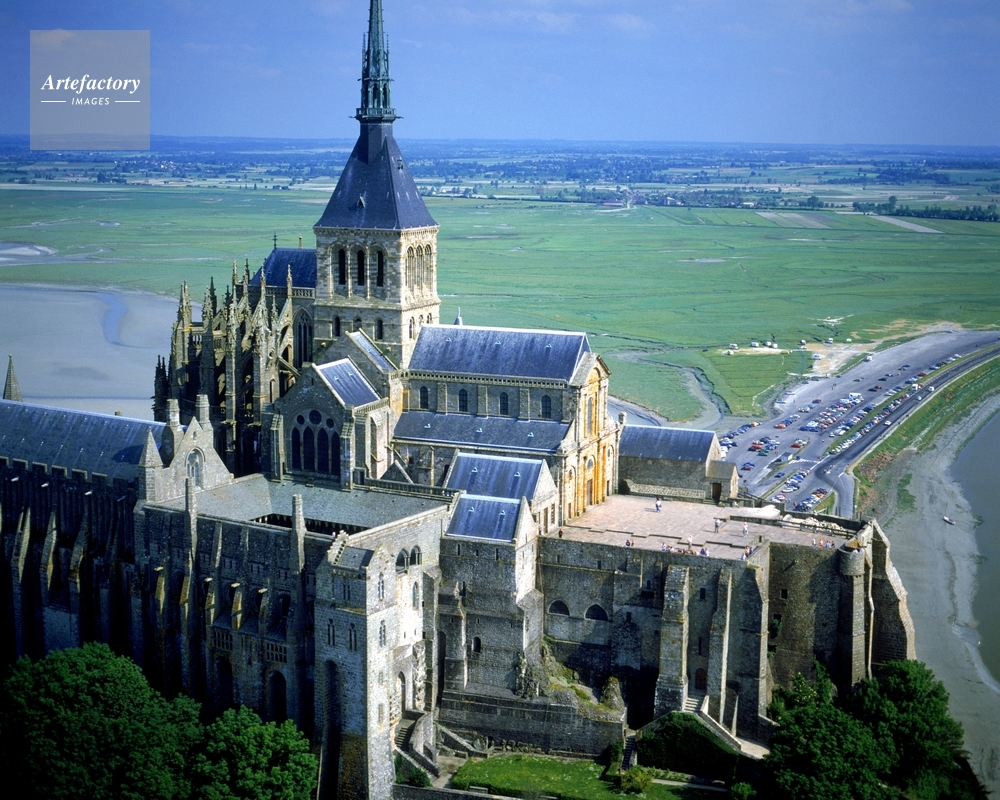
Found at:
(202, 412)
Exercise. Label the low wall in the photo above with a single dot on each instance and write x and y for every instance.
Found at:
(401, 791)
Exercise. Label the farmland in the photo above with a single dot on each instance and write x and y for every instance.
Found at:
(660, 289)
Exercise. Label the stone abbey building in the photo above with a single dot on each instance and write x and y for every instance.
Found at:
(402, 533)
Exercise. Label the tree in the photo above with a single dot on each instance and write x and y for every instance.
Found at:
(245, 759)
(85, 723)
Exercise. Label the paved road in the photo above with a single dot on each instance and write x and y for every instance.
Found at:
(889, 368)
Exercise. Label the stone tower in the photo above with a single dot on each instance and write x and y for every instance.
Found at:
(376, 243)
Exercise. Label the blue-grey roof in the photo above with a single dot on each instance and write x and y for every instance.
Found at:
(275, 268)
(376, 355)
(495, 476)
(376, 189)
(464, 349)
(59, 437)
(478, 517)
(465, 430)
(672, 444)
(348, 383)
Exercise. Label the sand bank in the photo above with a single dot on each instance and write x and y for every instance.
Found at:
(938, 564)
(88, 349)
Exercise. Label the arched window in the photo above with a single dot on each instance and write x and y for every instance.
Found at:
(336, 326)
(379, 330)
(411, 327)
(335, 454)
(425, 401)
(361, 267)
(416, 594)
(381, 586)
(342, 267)
(331, 633)
(352, 638)
(195, 466)
(430, 319)
(411, 269)
(308, 450)
(322, 452)
(420, 266)
(546, 407)
(381, 634)
(303, 340)
(559, 607)
(357, 323)
(477, 644)
(598, 613)
(402, 561)
(380, 269)
(296, 449)
(463, 400)
(590, 415)
(504, 404)
(415, 556)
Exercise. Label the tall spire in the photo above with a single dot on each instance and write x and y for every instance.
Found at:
(11, 389)
(376, 90)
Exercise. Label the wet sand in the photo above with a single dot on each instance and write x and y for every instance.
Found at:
(87, 349)
(938, 565)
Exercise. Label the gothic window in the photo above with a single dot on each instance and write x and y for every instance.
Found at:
(381, 634)
(296, 449)
(463, 400)
(331, 633)
(352, 638)
(195, 466)
(385, 95)
(308, 450)
(411, 271)
(379, 330)
(335, 455)
(504, 404)
(381, 586)
(424, 397)
(416, 595)
(342, 267)
(303, 340)
(477, 644)
(357, 323)
(546, 407)
(380, 269)
(322, 451)
(361, 267)
(590, 415)
(430, 319)
(402, 561)
(411, 327)
(598, 613)
(336, 326)
(420, 266)
(559, 607)
(415, 556)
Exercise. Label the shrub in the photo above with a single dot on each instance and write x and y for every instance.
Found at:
(742, 791)
(635, 780)
(680, 742)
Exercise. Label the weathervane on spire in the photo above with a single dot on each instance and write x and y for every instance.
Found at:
(376, 92)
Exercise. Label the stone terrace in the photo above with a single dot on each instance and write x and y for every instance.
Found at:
(634, 518)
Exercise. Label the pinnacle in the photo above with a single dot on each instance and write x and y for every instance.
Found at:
(11, 389)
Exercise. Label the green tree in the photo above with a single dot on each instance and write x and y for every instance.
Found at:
(821, 753)
(245, 759)
(85, 723)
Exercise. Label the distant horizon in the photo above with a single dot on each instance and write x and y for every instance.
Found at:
(714, 71)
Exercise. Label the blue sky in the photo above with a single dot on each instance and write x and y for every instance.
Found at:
(791, 71)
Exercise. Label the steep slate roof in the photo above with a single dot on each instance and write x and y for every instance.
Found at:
(348, 383)
(464, 349)
(376, 189)
(478, 517)
(671, 444)
(540, 436)
(495, 476)
(371, 351)
(275, 268)
(74, 439)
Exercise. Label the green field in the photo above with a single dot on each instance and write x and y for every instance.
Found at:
(649, 284)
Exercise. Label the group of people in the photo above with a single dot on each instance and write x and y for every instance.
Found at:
(826, 543)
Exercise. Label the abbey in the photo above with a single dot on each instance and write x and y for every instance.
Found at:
(404, 534)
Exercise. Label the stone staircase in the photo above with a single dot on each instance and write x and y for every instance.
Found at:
(693, 702)
(403, 731)
(629, 758)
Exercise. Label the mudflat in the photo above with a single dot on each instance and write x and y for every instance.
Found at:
(87, 349)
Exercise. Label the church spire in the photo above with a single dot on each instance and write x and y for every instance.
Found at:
(11, 389)
(376, 91)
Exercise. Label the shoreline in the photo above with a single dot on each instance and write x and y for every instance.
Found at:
(942, 560)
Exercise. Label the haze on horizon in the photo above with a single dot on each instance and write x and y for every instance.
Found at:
(881, 72)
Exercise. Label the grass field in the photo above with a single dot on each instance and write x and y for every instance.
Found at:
(659, 284)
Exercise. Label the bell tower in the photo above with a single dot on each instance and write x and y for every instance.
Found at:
(376, 243)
